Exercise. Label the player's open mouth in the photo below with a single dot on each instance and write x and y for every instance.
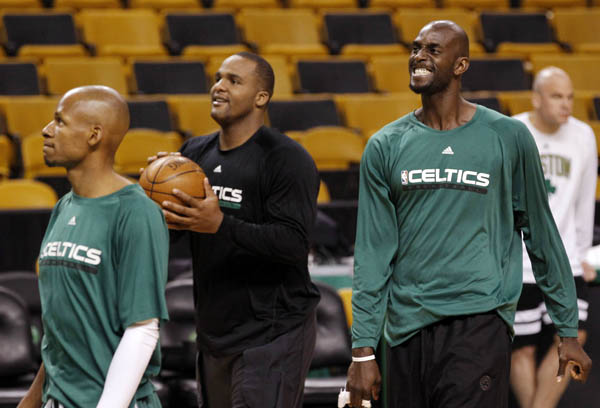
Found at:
(218, 100)
(421, 71)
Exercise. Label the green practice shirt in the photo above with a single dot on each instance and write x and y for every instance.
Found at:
(102, 267)
(441, 216)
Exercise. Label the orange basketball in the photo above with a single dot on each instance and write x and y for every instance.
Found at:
(163, 175)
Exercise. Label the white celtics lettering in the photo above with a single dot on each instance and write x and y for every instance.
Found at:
(69, 250)
(233, 195)
(446, 176)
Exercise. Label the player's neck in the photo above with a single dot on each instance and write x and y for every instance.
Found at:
(95, 181)
(541, 125)
(236, 134)
(445, 111)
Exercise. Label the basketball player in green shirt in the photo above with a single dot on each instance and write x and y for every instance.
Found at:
(102, 267)
(447, 193)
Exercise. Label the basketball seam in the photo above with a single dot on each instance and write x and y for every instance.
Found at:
(177, 175)
(155, 176)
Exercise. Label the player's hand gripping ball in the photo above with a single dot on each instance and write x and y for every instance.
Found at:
(163, 175)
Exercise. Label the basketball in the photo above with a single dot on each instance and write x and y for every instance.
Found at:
(163, 175)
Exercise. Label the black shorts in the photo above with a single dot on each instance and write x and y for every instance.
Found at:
(532, 315)
(459, 362)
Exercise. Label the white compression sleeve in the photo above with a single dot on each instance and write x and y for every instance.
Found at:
(128, 364)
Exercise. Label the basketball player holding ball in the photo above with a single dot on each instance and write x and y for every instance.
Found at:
(255, 301)
(102, 267)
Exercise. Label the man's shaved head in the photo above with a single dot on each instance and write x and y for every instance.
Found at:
(547, 75)
(456, 35)
(100, 106)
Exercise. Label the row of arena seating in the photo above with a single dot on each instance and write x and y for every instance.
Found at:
(295, 32)
(317, 4)
(21, 331)
(302, 75)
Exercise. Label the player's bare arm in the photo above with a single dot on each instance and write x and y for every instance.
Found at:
(570, 351)
(33, 398)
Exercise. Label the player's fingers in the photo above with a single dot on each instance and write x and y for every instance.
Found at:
(185, 198)
(173, 218)
(208, 191)
(562, 366)
(175, 226)
(375, 391)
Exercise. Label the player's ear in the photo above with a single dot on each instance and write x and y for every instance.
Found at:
(461, 66)
(262, 98)
(95, 136)
(536, 100)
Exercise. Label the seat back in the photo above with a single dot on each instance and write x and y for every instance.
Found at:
(28, 115)
(33, 159)
(16, 349)
(515, 28)
(6, 156)
(302, 114)
(44, 28)
(22, 193)
(582, 68)
(280, 26)
(495, 75)
(150, 115)
(201, 29)
(139, 144)
(490, 102)
(19, 79)
(333, 147)
(192, 113)
(574, 26)
(64, 74)
(181, 77)
(120, 27)
(333, 346)
(390, 73)
(411, 21)
(358, 28)
(333, 76)
(597, 107)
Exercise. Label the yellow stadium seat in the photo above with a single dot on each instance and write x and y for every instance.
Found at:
(324, 196)
(27, 115)
(371, 112)
(122, 32)
(477, 4)
(63, 74)
(295, 135)
(283, 31)
(400, 4)
(346, 295)
(390, 73)
(6, 155)
(333, 148)
(520, 101)
(90, 4)
(551, 4)
(582, 68)
(25, 4)
(139, 144)
(241, 4)
(192, 113)
(164, 4)
(578, 27)
(33, 159)
(322, 4)
(26, 194)
(410, 22)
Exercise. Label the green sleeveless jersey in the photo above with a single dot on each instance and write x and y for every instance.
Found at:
(441, 216)
(103, 267)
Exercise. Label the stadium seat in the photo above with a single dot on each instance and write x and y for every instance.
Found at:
(302, 114)
(17, 360)
(410, 22)
(26, 194)
(164, 4)
(490, 102)
(122, 32)
(518, 33)
(401, 4)
(19, 79)
(361, 33)
(552, 4)
(27, 115)
(346, 295)
(332, 350)
(333, 148)
(597, 108)
(43, 34)
(495, 75)
(283, 31)
(25, 4)
(139, 144)
(477, 4)
(25, 284)
(170, 77)
(323, 4)
(582, 68)
(390, 73)
(192, 114)
(63, 74)
(575, 27)
(332, 76)
(368, 113)
(324, 196)
(242, 4)
(517, 102)
(34, 165)
(6, 157)
(203, 34)
(150, 114)
(89, 4)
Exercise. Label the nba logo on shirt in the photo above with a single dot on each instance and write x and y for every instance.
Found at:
(404, 177)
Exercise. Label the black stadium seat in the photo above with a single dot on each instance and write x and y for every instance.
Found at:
(181, 77)
(19, 79)
(495, 75)
(597, 107)
(303, 115)
(333, 76)
(46, 29)
(514, 27)
(358, 28)
(200, 29)
(150, 115)
(489, 102)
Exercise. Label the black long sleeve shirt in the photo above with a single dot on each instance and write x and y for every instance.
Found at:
(251, 280)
